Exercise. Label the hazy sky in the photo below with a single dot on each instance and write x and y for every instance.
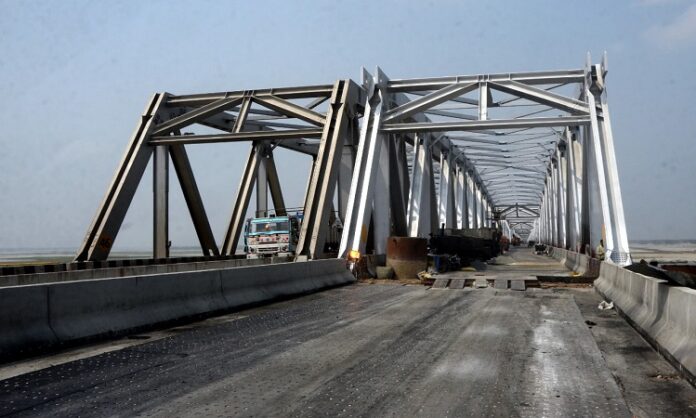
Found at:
(75, 76)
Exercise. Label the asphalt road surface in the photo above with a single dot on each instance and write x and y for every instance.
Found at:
(369, 350)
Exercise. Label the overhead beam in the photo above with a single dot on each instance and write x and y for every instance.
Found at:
(485, 124)
(539, 77)
(428, 101)
(234, 137)
(541, 96)
(290, 109)
(283, 92)
(196, 115)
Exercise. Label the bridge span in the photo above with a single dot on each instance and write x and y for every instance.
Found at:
(371, 350)
(526, 154)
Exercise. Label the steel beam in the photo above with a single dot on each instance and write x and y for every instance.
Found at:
(196, 115)
(241, 202)
(283, 92)
(428, 101)
(112, 210)
(360, 203)
(235, 137)
(189, 188)
(561, 121)
(319, 200)
(160, 204)
(531, 78)
(541, 96)
(290, 109)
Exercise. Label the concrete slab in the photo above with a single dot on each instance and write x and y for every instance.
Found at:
(517, 285)
(441, 283)
(501, 283)
(457, 283)
(480, 282)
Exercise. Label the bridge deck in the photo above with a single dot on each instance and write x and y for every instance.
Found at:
(379, 350)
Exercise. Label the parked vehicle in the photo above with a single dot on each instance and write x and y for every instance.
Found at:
(271, 236)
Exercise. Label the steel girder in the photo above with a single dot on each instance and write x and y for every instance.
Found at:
(159, 135)
(560, 168)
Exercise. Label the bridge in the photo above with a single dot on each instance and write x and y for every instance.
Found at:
(526, 154)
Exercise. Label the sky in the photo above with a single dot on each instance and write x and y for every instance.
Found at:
(76, 75)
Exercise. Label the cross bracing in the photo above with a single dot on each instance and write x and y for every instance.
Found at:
(521, 151)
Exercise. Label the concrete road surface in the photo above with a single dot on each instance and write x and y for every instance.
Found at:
(369, 350)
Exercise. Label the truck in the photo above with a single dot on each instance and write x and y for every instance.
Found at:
(271, 236)
(278, 235)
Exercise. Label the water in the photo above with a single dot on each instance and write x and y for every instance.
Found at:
(661, 250)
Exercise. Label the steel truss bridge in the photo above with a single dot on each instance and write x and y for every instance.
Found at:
(531, 152)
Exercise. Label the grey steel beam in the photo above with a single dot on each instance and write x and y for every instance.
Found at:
(399, 180)
(196, 115)
(261, 210)
(359, 211)
(560, 121)
(112, 210)
(242, 115)
(189, 188)
(274, 185)
(320, 195)
(283, 92)
(236, 137)
(532, 78)
(428, 101)
(241, 202)
(160, 204)
(621, 252)
(290, 109)
(541, 96)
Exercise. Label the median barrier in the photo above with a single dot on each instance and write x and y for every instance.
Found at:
(35, 317)
(665, 315)
(24, 319)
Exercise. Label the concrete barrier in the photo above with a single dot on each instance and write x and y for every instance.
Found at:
(580, 263)
(665, 315)
(34, 317)
(125, 271)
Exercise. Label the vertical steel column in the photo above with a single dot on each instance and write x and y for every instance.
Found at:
(483, 100)
(399, 185)
(470, 200)
(421, 193)
(274, 185)
(189, 188)
(554, 202)
(460, 194)
(345, 175)
(447, 179)
(573, 204)
(474, 206)
(607, 218)
(112, 210)
(359, 209)
(620, 252)
(381, 214)
(160, 204)
(562, 180)
(481, 209)
(261, 184)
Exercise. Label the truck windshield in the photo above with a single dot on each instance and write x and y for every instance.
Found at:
(277, 226)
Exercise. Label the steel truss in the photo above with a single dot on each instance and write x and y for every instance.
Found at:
(525, 171)
(278, 121)
(522, 150)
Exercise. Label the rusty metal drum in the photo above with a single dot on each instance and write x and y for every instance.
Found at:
(407, 256)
